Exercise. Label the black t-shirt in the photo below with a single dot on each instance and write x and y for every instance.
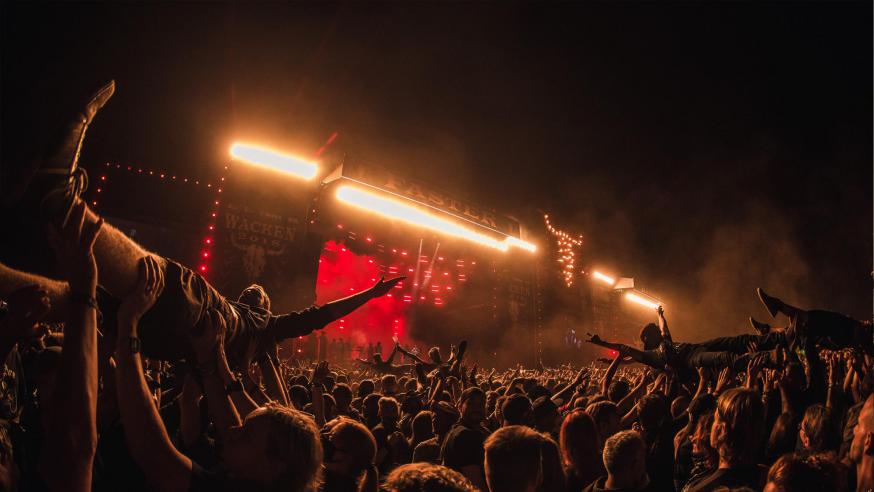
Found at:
(751, 476)
(217, 481)
(255, 331)
(463, 446)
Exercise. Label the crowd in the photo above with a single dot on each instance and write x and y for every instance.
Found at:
(133, 373)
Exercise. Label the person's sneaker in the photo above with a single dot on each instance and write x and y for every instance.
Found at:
(772, 304)
(762, 328)
(59, 181)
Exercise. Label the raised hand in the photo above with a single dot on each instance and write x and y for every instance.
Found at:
(723, 380)
(73, 245)
(149, 286)
(381, 287)
(28, 306)
(320, 373)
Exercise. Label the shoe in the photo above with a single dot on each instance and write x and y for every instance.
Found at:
(762, 328)
(772, 304)
(59, 181)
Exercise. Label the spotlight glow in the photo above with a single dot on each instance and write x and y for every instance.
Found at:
(394, 209)
(631, 296)
(604, 278)
(271, 159)
(515, 241)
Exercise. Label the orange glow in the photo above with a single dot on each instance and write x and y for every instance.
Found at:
(271, 159)
(395, 209)
(514, 241)
(604, 278)
(631, 296)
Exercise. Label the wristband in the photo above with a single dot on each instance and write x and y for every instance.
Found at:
(134, 345)
(234, 385)
(83, 299)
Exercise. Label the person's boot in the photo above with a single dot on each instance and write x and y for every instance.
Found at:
(761, 328)
(772, 304)
(59, 181)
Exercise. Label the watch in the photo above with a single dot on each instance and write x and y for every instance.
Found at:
(134, 345)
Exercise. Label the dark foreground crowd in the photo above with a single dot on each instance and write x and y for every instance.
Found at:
(133, 373)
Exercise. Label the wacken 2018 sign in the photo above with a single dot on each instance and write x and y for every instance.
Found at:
(420, 193)
(257, 235)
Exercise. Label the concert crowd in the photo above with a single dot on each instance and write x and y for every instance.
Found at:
(133, 373)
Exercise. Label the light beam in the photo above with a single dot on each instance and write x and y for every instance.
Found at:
(604, 278)
(395, 209)
(271, 159)
(631, 296)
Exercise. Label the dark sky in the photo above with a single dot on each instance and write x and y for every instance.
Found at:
(702, 149)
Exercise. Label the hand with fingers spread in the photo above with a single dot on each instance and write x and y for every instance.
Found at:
(723, 381)
(383, 286)
(73, 245)
(149, 286)
(320, 373)
(754, 368)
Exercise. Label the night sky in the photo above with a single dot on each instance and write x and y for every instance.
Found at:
(703, 149)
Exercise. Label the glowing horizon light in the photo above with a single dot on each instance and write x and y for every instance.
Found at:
(271, 159)
(631, 296)
(604, 278)
(394, 209)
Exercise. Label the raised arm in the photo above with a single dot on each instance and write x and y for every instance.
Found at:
(611, 371)
(635, 354)
(147, 440)
(218, 380)
(663, 325)
(314, 318)
(71, 440)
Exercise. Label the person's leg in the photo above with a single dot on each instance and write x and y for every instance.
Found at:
(117, 257)
(741, 344)
(12, 280)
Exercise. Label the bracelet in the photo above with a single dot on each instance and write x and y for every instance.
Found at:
(83, 299)
(134, 345)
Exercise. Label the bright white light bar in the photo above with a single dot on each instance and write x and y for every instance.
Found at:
(271, 159)
(395, 209)
(604, 278)
(631, 296)
(514, 241)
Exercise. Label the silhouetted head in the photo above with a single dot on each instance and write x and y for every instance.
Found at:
(651, 336)
(255, 296)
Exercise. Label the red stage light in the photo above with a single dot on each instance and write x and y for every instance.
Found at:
(206, 254)
(403, 253)
(203, 268)
(343, 249)
(339, 226)
(369, 240)
(102, 178)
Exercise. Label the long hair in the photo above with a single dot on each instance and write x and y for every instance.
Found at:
(743, 414)
(580, 446)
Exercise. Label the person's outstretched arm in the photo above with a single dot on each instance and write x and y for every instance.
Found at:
(638, 355)
(209, 349)
(71, 440)
(147, 440)
(391, 356)
(272, 381)
(567, 391)
(663, 325)
(315, 318)
(611, 371)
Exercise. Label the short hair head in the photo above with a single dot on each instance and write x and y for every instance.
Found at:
(422, 477)
(513, 459)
